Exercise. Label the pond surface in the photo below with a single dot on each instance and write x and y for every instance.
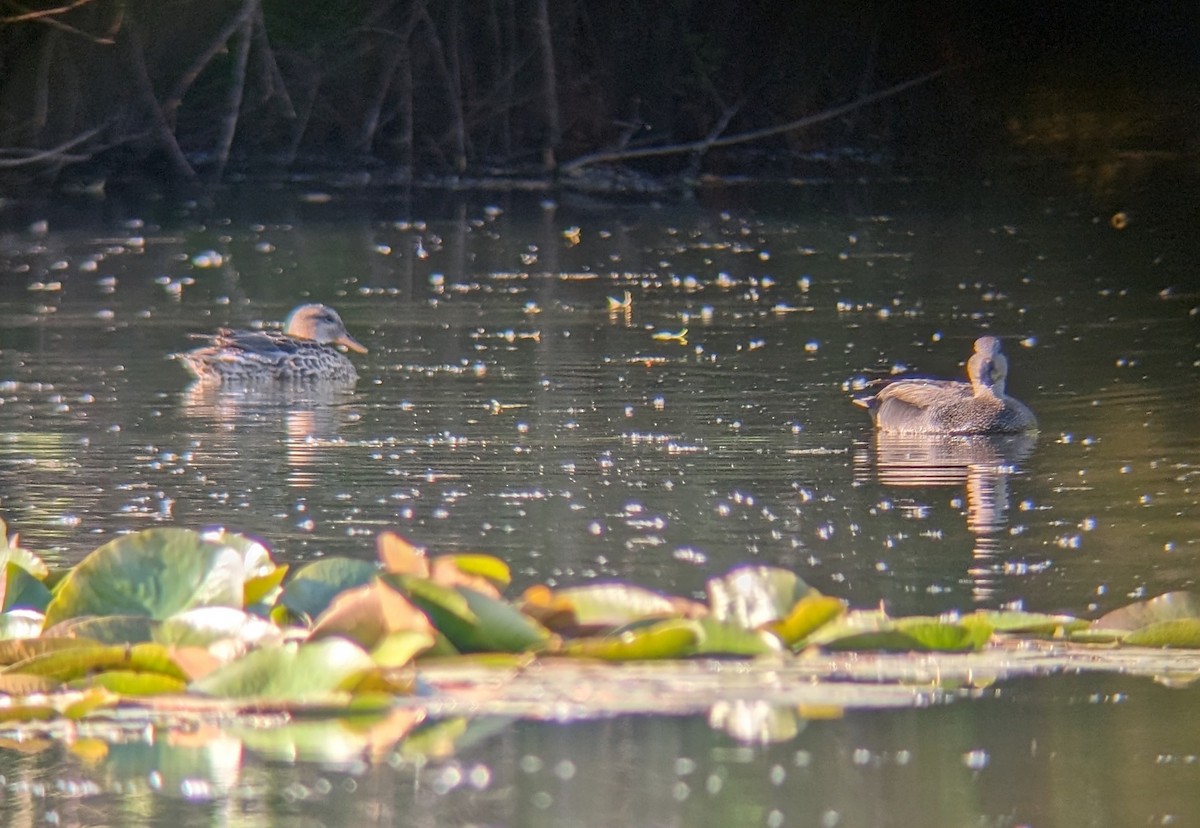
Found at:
(652, 393)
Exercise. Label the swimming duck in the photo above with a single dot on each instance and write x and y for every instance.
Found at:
(302, 353)
(925, 406)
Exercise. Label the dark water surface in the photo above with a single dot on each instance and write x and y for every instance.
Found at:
(513, 402)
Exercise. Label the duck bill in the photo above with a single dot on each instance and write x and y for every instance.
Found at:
(351, 343)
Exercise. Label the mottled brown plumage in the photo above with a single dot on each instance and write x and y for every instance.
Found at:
(925, 406)
(302, 354)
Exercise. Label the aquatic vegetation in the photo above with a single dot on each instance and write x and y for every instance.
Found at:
(170, 621)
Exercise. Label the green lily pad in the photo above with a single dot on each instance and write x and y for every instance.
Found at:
(12, 552)
(290, 672)
(473, 622)
(809, 614)
(1181, 633)
(485, 566)
(23, 590)
(752, 596)
(155, 572)
(594, 608)
(674, 638)
(133, 683)
(399, 648)
(1170, 606)
(106, 629)
(1029, 623)
(725, 639)
(873, 631)
(314, 586)
(77, 662)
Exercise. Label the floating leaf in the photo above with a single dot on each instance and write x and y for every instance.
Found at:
(12, 552)
(370, 613)
(752, 596)
(726, 639)
(399, 557)
(333, 742)
(155, 572)
(675, 638)
(17, 650)
(22, 590)
(21, 684)
(256, 558)
(108, 629)
(76, 662)
(260, 588)
(314, 585)
(875, 631)
(133, 683)
(586, 610)
(91, 701)
(809, 614)
(1175, 632)
(206, 626)
(399, 648)
(1167, 607)
(471, 621)
(488, 567)
(1029, 623)
(290, 672)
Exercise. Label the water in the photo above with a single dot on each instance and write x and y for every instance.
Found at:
(530, 392)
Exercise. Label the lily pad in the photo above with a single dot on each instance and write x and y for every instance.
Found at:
(205, 626)
(369, 613)
(76, 662)
(1175, 632)
(21, 623)
(1029, 623)
(587, 610)
(474, 622)
(675, 638)
(106, 629)
(809, 614)
(873, 631)
(725, 639)
(133, 683)
(23, 590)
(290, 672)
(315, 585)
(1167, 607)
(752, 596)
(155, 573)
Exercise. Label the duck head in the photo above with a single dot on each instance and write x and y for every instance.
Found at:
(321, 324)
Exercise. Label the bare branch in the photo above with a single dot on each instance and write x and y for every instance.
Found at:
(202, 60)
(709, 142)
(41, 14)
(57, 154)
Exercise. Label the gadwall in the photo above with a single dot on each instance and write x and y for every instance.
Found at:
(303, 353)
(925, 406)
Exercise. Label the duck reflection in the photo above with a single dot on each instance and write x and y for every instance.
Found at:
(311, 419)
(980, 462)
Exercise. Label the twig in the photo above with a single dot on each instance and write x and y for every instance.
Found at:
(707, 143)
(41, 14)
(275, 83)
(54, 153)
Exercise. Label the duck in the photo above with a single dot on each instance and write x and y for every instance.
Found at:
(303, 353)
(929, 406)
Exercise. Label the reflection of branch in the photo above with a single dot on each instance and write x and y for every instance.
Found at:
(709, 142)
(202, 60)
(47, 16)
(39, 14)
(58, 153)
